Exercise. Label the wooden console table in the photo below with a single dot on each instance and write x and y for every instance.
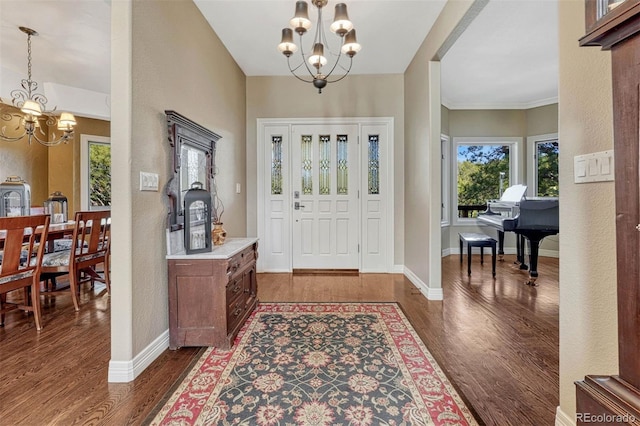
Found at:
(212, 294)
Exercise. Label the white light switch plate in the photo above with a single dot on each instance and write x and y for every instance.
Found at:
(148, 181)
(594, 167)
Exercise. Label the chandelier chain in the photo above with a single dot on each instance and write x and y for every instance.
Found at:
(29, 58)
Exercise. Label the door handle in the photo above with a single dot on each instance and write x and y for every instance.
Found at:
(297, 205)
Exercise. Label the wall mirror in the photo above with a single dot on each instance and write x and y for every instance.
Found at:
(194, 149)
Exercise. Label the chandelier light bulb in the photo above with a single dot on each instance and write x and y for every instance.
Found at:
(31, 108)
(300, 22)
(317, 59)
(351, 45)
(66, 121)
(341, 23)
(287, 46)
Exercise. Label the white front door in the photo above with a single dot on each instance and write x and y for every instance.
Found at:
(325, 191)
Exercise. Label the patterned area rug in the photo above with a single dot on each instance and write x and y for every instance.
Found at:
(318, 364)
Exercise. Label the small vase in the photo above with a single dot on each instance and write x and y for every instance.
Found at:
(218, 235)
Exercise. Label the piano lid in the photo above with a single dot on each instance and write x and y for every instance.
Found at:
(514, 193)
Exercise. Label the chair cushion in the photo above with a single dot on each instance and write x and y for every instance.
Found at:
(61, 258)
(14, 277)
(57, 258)
(62, 244)
(23, 256)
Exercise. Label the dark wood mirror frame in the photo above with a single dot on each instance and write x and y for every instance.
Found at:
(184, 132)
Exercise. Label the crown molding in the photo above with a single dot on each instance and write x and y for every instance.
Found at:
(499, 105)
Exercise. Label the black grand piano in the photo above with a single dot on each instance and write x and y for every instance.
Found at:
(532, 219)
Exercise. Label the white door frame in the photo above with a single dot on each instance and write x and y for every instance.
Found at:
(85, 139)
(385, 202)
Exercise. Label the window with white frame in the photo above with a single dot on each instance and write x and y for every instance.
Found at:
(542, 157)
(445, 180)
(95, 172)
(480, 162)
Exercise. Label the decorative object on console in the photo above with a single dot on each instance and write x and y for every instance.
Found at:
(197, 213)
(218, 234)
(57, 207)
(341, 26)
(15, 197)
(33, 106)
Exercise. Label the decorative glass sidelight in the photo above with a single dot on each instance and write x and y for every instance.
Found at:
(307, 164)
(325, 165)
(276, 165)
(343, 166)
(374, 164)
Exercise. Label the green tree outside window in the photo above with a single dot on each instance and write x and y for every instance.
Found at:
(99, 174)
(479, 168)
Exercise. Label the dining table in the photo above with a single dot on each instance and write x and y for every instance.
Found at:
(56, 231)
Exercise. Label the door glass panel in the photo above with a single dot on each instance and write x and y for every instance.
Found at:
(307, 164)
(325, 165)
(276, 165)
(374, 165)
(343, 166)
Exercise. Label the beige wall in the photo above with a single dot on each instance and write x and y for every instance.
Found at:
(28, 161)
(355, 96)
(64, 162)
(542, 120)
(422, 149)
(588, 309)
(168, 58)
(444, 122)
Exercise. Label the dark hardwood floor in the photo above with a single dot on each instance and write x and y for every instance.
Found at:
(497, 340)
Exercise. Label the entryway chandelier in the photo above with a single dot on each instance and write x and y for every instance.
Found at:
(314, 62)
(34, 115)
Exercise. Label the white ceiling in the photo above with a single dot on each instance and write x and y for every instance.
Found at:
(506, 58)
(389, 31)
(70, 54)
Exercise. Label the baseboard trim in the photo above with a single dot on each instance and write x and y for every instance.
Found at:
(398, 269)
(127, 371)
(428, 292)
(562, 419)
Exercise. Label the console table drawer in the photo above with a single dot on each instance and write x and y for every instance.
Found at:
(186, 268)
(241, 259)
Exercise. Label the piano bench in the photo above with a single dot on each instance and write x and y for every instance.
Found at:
(473, 239)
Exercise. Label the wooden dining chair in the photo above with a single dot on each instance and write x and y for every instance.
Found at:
(91, 239)
(24, 240)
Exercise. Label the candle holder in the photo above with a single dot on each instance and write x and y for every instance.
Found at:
(57, 207)
(197, 220)
(15, 197)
